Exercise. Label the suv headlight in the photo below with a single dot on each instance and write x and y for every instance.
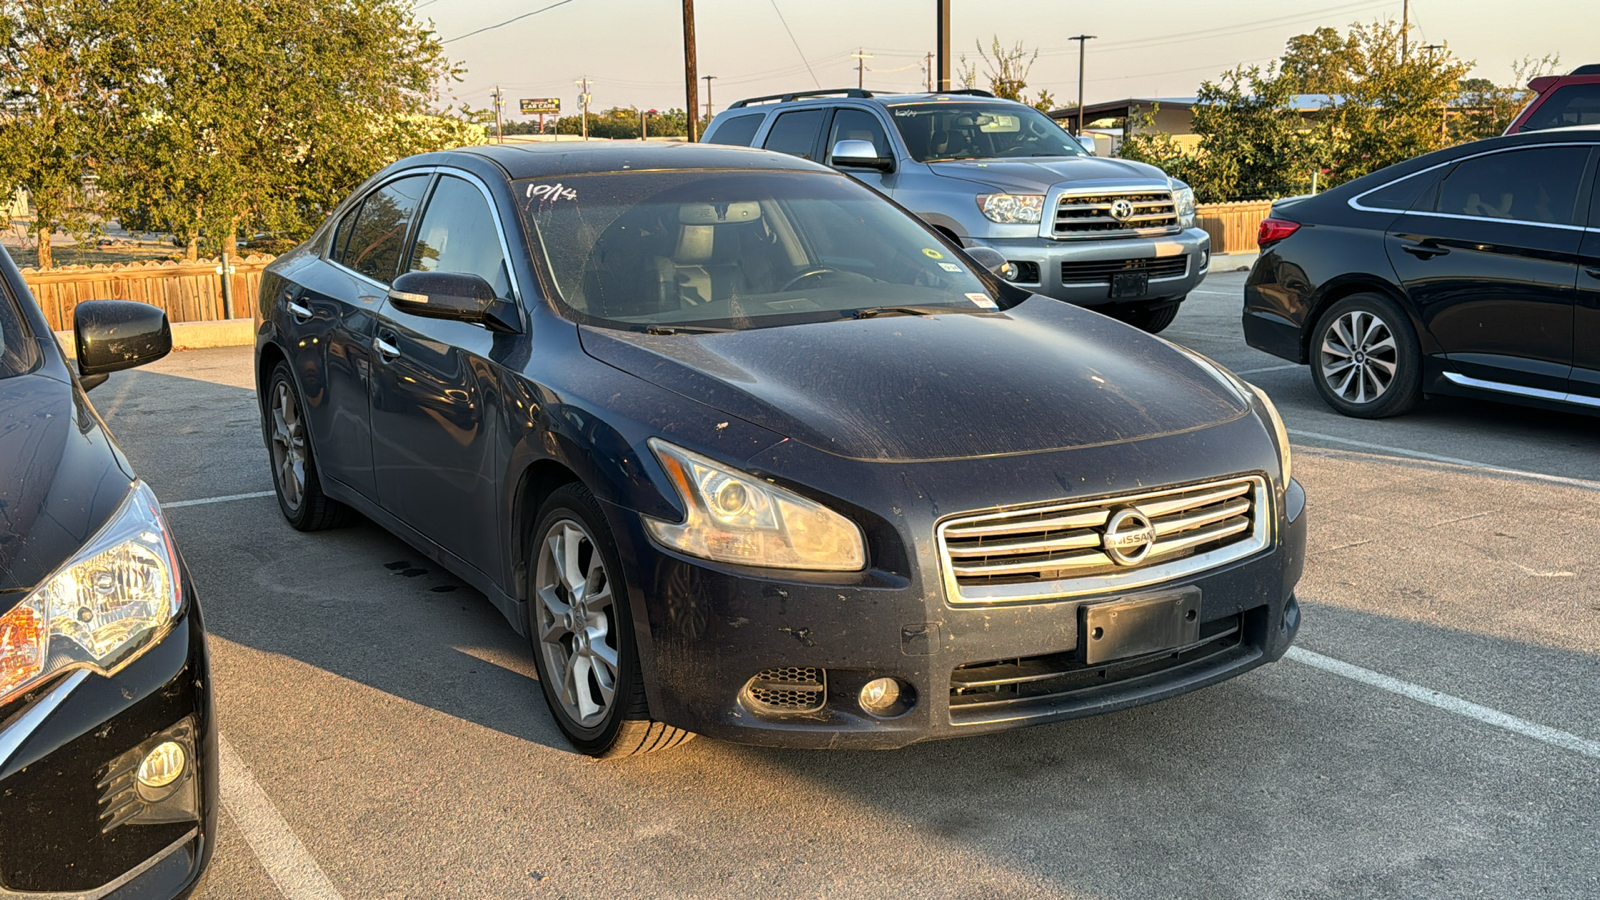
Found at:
(1183, 199)
(1012, 209)
(105, 606)
(729, 516)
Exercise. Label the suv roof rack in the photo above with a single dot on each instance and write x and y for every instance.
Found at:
(800, 95)
(1590, 69)
(972, 91)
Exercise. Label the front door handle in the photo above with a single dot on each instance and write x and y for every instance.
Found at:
(1592, 272)
(385, 348)
(300, 313)
(1425, 251)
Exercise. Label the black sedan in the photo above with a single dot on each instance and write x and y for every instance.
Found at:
(1473, 270)
(749, 451)
(108, 749)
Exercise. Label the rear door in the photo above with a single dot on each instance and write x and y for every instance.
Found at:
(797, 133)
(1585, 385)
(1490, 261)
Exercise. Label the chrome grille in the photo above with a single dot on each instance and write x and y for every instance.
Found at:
(1058, 550)
(1088, 214)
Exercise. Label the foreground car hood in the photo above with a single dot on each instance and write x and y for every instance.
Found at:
(1041, 376)
(1039, 174)
(60, 479)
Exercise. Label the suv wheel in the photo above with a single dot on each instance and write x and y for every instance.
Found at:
(1152, 317)
(1364, 358)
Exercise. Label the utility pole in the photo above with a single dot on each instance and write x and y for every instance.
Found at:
(707, 80)
(1083, 41)
(942, 41)
(691, 77)
(928, 64)
(1405, 27)
(861, 60)
(584, 99)
(499, 104)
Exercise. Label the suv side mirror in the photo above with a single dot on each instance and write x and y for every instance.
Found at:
(457, 296)
(860, 155)
(112, 335)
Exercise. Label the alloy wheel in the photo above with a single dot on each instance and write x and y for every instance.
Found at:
(1359, 357)
(288, 445)
(575, 618)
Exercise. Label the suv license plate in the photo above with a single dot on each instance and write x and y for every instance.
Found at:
(1127, 628)
(1129, 284)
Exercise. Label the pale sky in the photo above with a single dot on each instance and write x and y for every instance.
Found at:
(632, 50)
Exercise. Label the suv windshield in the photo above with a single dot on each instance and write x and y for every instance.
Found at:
(18, 353)
(939, 130)
(669, 250)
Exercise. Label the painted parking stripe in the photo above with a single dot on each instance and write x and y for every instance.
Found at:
(206, 501)
(286, 860)
(1266, 369)
(1585, 483)
(1460, 707)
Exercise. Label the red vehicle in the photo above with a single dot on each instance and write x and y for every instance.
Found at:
(1561, 100)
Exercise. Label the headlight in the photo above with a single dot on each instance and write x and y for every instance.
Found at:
(1012, 209)
(729, 516)
(100, 610)
(1183, 199)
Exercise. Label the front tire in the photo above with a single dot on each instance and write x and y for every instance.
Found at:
(294, 467)
(582, 633)
(1365, 360)
(1153, 318)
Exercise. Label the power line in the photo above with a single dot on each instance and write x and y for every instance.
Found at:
(508, 21)
(796, 43)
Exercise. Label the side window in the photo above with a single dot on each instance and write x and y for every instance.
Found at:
(1407, 193)
(795, 133)
(858, 125)
(1575, 104)
(341, 235)
(458, 234)
(736, 130)
(1534, 185)
(379, 233)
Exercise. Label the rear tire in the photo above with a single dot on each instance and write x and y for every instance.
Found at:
(582, 633)
(1153, 318)
(1365, 360)
(294, 466)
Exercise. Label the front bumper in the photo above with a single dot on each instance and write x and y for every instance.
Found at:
(71, 821)
(1046, 258)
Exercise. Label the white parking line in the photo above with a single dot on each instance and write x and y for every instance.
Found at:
(1239, 293)
(1266, 369)
(1451, 460)
(286, 860)
(204, 501)
(1460, 707)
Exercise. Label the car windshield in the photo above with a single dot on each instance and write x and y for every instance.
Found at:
(697, 249)
(18, 354)
(939, 130)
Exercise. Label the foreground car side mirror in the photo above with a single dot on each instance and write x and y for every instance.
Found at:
(457, 296)
(112, 335)
(860, 155)
(993, 260)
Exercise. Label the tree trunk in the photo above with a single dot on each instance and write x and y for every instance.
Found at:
(44, 246)
(192, 252)
(230, 246)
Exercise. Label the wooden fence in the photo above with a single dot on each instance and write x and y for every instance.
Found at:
(188, 291)
(1232, 226)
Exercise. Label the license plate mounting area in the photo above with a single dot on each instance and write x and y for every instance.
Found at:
(1121, 629)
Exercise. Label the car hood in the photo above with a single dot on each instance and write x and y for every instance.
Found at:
(1041, 376)
(1038, 175)
(60, 479)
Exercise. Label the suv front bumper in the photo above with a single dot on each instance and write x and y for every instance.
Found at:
(1049, 258)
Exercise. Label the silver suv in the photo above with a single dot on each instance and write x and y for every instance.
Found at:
(1111, 234)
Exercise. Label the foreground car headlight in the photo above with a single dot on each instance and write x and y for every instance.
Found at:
(730, 516)
(1279, 433)
(1183, 199)
(1012, 209)
(106, 605)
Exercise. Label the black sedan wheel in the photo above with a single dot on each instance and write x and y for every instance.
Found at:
(582, 636)
(1364, 358)
(294, 470)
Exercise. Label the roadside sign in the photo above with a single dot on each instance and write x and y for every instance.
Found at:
(540, 105)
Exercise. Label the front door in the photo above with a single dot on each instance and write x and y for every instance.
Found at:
(1491, 264)
(1585, 386)
(860, 125)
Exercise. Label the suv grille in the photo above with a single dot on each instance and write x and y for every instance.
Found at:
(1101, 272)
(1089, 214)
(1059, 550)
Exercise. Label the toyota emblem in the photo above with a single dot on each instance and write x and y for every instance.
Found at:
(1129, 537)
(1122, 210)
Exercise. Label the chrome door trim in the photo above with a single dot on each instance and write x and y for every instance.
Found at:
(1356, 204)
(1518, 390)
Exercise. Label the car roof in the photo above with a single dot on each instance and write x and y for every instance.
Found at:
(554, 158)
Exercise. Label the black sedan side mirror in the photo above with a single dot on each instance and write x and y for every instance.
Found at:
(860, 155)
(991, 259)
(111, 335)
(457, 296)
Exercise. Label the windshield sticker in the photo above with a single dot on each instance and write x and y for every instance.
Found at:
(983, 300)
(950, 267)
(931, 253)
(555, 191)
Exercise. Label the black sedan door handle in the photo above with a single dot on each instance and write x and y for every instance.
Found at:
(1425, 251)
(1592, 272)
(384, 344)
(301, 314)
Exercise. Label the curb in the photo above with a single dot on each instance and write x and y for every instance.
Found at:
(191, 335)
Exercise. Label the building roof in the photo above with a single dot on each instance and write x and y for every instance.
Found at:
(1121, 108)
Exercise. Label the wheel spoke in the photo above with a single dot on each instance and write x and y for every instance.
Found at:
(1388, 367)
(1337, 366)
(582, 668)
(1332, 349)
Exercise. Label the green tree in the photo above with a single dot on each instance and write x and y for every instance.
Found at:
(1006, 69)
(1484, 109)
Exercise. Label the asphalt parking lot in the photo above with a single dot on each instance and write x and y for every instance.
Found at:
(384, 736)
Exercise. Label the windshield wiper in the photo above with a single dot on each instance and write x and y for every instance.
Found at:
(684, 329)
(873, 312)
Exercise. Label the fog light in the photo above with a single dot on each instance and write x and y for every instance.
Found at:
(1010, 271)
(880, 695)
(163, 765)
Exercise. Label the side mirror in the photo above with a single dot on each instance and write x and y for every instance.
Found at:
(860, 155)
(457, 296)
(111, 335)
(993, 260)
(1086, 141)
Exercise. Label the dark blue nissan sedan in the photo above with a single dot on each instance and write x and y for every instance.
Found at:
(746, 450)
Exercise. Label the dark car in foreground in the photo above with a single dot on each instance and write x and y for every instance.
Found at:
(748, 451)
(1473, 271)
(108, 753)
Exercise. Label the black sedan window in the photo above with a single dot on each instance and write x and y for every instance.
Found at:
(379, 233)
(18, 354)
(738, 250)
(1534, 185)
(458, 234)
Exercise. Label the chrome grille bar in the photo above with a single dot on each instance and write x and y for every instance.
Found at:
(1089, 213)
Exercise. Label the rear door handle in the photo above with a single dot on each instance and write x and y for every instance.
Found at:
(299, 312)
(1425, 251)
(1592, 271)
(385, 347)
